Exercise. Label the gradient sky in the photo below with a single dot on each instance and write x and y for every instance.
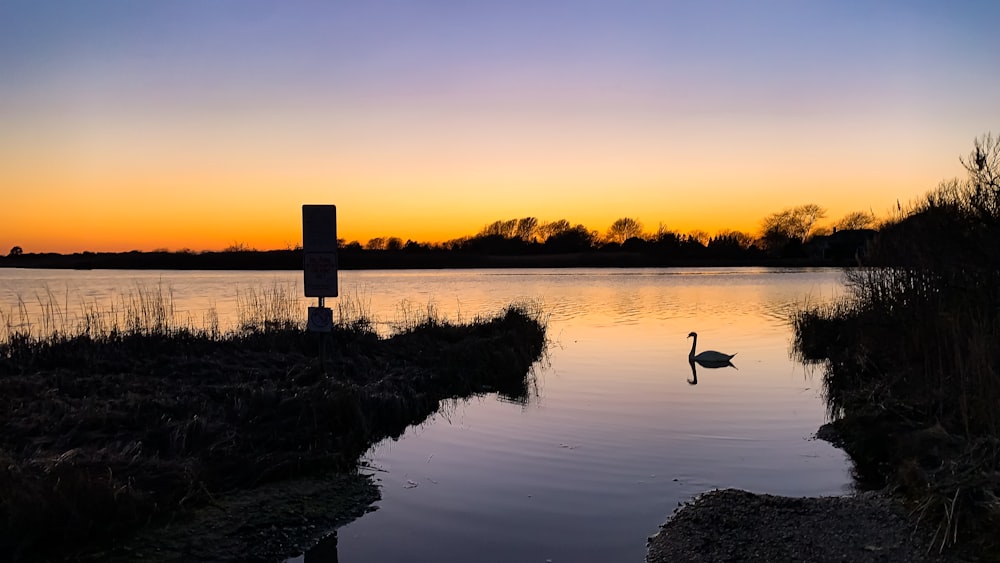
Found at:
(202, 123)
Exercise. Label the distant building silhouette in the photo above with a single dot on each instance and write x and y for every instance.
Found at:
(842, 246)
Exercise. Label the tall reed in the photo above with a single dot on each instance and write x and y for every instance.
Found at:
(273, 307)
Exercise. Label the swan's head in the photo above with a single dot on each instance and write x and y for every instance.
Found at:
(693, 334)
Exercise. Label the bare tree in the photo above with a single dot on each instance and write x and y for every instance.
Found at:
(663, 231)
(527, 229)
(505, 229)
(856, 220)
(983, 166)
(793, 223)
(377, 243)
(546, 230)
(624, 229)
(810, 213)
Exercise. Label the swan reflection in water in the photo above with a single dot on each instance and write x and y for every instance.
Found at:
(708, 359)
(710, 364)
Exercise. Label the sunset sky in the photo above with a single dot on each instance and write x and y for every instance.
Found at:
(202, 123)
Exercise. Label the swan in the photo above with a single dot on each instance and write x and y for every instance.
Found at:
(708, 355)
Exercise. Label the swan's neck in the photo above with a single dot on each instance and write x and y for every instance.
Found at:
(694, 342)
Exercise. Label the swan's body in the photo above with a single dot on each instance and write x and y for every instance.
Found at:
(708, 356)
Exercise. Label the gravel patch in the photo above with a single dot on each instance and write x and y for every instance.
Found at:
(735, 525)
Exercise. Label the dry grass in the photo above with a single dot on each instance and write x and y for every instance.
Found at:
(151, 310)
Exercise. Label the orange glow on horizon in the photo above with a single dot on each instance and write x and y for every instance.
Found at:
(121, 195)
(185, 126)
(61, 227)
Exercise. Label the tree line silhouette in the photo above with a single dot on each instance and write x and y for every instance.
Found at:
(790, 225)
(791, 234)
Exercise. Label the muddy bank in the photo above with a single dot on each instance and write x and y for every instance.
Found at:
(735, 525)
(868, 526)
(107, 438)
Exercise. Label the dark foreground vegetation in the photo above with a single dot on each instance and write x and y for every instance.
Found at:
(912, 358)
(109, 430)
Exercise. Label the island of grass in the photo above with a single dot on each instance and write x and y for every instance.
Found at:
(145, 430)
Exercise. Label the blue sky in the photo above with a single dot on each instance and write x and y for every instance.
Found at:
(429, 119)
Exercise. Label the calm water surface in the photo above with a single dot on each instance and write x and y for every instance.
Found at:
(616, 436)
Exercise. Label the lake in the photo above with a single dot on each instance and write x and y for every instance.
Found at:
(617, 434)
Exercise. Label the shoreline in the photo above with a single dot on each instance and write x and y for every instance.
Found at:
(287, 260)
(867, 526)
(737, 525)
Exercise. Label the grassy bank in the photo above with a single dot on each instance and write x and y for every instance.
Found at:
(131, 419)
(912, 357)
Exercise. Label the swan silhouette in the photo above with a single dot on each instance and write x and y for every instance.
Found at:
(708, 356)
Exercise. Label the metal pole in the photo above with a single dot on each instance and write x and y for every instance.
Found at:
(322, 341)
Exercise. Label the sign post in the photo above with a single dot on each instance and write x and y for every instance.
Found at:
(319, 266)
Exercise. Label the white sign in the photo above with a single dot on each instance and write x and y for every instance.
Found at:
(320, 319)
(320, 274)
(319, 250)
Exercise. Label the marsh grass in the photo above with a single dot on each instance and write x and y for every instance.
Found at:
(409, 316)
(149, 310)
(354, 311)
(912, 358)
(912, 372)
(271, 307)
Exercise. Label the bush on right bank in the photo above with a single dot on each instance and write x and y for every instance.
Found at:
(911, 356)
